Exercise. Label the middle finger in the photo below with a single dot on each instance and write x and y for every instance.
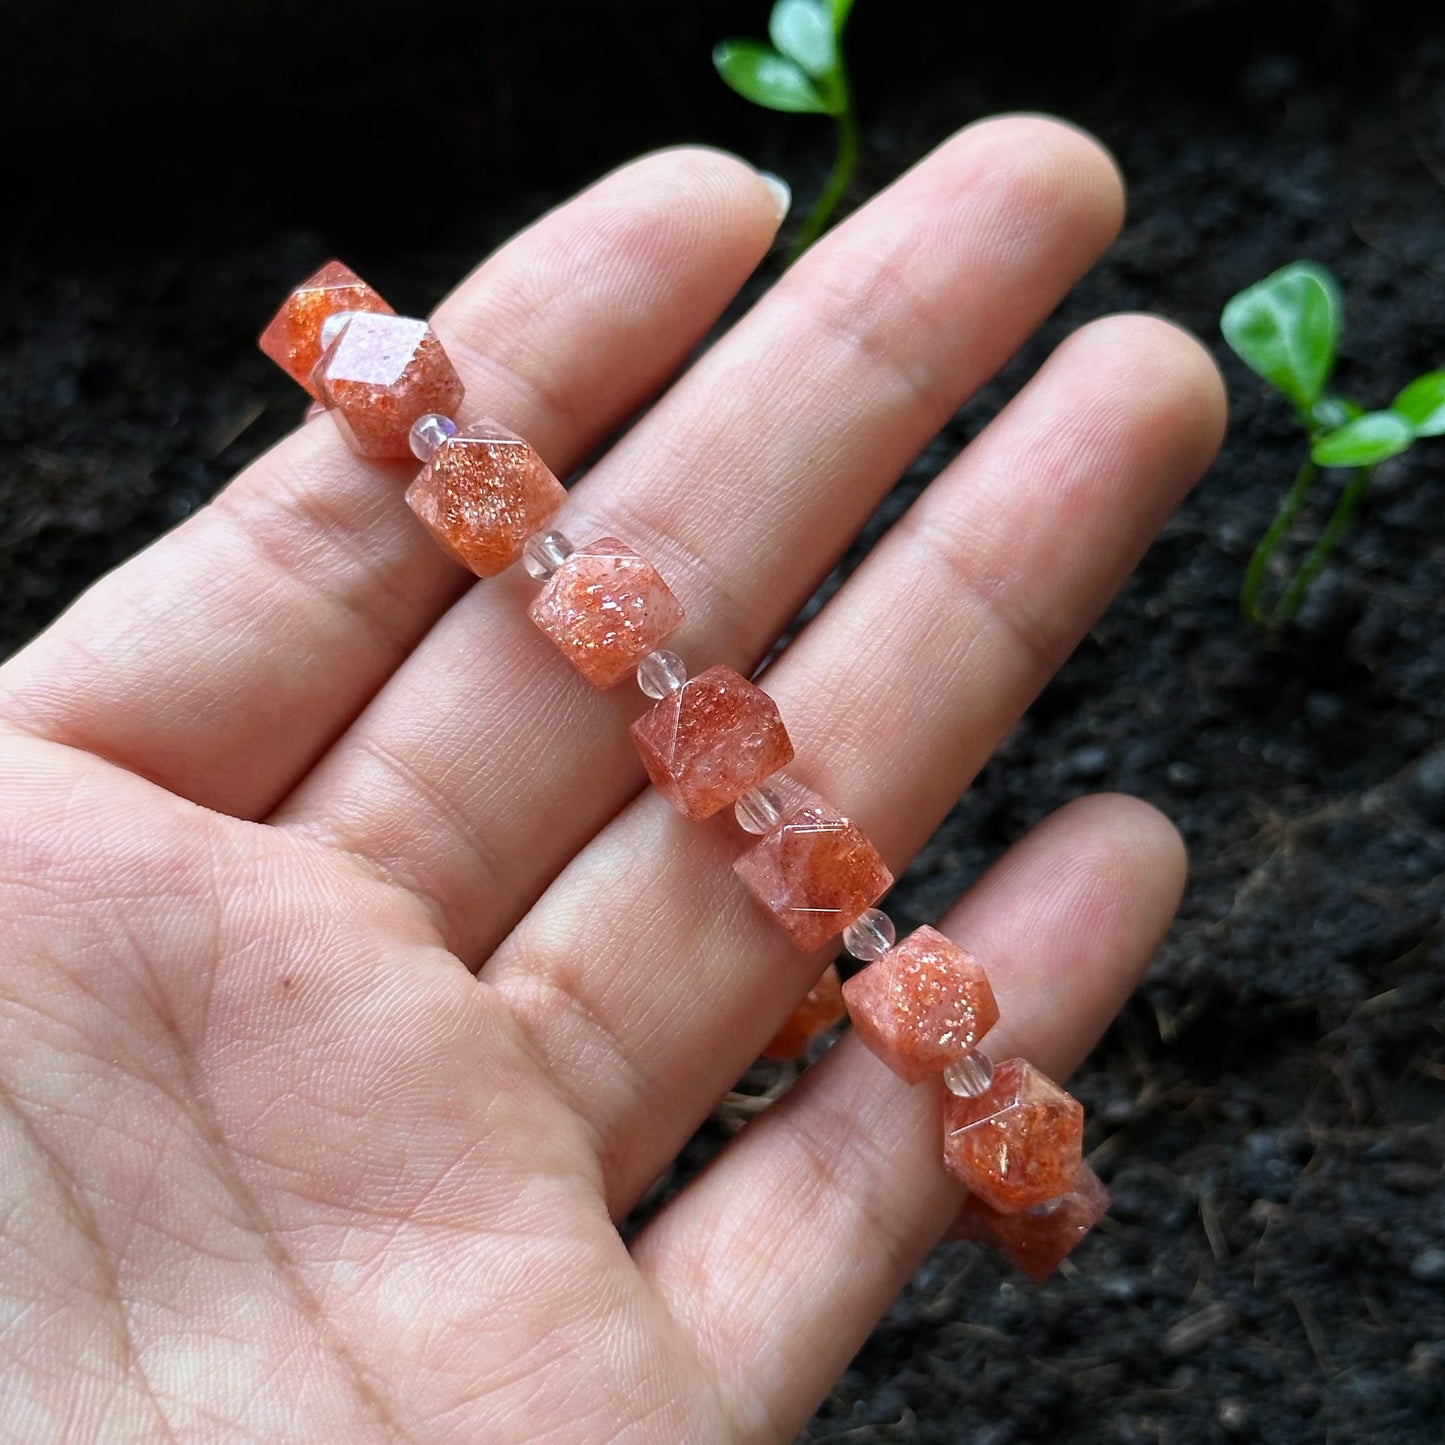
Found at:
(485, 764)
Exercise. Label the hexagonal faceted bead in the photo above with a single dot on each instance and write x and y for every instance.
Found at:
(293, 339)
(484, 492)
(710, 741)
(379, 375)
(1019, 1143)
(925, 1003)
(818, 1012)
(815, 873)
(606, 608)
(1037, 1240)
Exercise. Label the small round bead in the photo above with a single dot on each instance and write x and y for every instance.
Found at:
(870, 935)
(661, 673)
(970, 1076)
(333, 326)
(544, 553)
(428, 433)
(759, 810)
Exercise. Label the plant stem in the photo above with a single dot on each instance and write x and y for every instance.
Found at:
(1289, 509)
(845, 162)
(1329, 539)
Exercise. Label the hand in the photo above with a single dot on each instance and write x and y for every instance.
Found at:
(351, 992)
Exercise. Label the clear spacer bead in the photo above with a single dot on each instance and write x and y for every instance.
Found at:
(661, 673)
(333, 326)
(428, 433)
(544, 553)
(759, 810)
(970, 1076)
(870, 935)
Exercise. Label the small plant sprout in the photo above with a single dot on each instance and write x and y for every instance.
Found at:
(1287, 329)
(802, 71)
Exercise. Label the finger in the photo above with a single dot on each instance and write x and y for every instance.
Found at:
(647, 977)
(784, 1254)
(223, 659)
(743, 486)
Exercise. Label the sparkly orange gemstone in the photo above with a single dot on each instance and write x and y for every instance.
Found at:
(380, 374)
(1037, 1240)
(925, 1003)
(606, 608)
(293, 339)
(483, 494)
(815, 873)
(710, 741)
(818, 1012)
(1018, 1144)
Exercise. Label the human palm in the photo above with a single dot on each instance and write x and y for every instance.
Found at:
(353, 990)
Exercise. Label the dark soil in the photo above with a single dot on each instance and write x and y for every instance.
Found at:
(1268, 1108)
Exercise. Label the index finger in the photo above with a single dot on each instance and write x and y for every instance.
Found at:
(222, 660)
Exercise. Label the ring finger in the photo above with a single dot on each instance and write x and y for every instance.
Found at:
(894, 697)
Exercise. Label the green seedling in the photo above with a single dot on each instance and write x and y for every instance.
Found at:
(803, 71)
(1286, 328)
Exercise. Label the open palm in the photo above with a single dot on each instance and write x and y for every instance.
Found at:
(350, 990)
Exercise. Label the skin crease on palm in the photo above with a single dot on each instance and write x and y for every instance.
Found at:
(353, 987)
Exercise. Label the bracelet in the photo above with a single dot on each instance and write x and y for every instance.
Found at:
(709, 742)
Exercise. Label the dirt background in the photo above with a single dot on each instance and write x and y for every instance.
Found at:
(1268, 1108)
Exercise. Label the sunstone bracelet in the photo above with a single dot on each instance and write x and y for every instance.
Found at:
(711, 742)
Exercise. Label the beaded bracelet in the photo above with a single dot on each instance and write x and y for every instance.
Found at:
(1011, 1135)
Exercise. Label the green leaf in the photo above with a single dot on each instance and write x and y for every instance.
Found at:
(1422, 403)
(803, 31)
(1286, 329)
(1366, 440)
(1330, 412)
(841, 11)
(759, 74)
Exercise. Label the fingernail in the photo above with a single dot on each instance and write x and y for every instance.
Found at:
(782, 194)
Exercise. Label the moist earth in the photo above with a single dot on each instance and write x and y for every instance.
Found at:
(1267, 1109)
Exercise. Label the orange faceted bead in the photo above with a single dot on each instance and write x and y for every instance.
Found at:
(710, 741)
(1037, 1240)
(818, 1012)
(606, 608)
(1019, 1143)
(293, 339)
(379, 375)
(815, 873)
(925, 1003)
(484, 492)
